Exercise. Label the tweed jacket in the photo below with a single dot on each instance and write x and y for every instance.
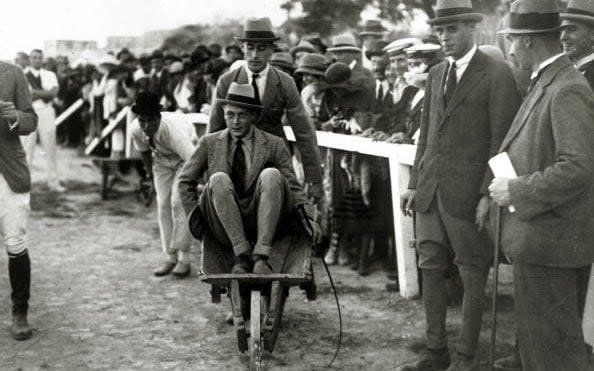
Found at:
(211, 156)
(13, 162)
(280, 97)
(588, 71)
(550, 146)
(457, 141)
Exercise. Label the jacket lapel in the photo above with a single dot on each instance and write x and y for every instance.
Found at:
(220, 159)
(271, 81)
(437, 90)
(259, 157)
(473, 74)
(532, 99)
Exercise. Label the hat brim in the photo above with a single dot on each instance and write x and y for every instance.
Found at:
(372, 33)
(310, 71)
(298, 49)
(255, 107)
(466, 17)
(577, 17)
(257, 40)
(344, 49)
(526, 31)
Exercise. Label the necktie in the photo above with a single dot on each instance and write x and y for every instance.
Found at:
(238, 169)
(450, 84)
(152, 143)
(380, 92)
(255, 76)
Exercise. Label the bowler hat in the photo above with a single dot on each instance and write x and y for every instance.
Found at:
(313, 64)
(241, 95)
(448, 11)
(533, 16)
(399, 46)
(282, 60)
(303, 46)
(580, 11)
(373, 27)
(344, 43)
(147, 104)
(258, 30)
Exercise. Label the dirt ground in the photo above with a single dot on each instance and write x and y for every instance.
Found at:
(96, 305)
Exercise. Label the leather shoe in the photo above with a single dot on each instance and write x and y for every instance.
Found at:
(240, 268)
(229, 318)
(509, 363)
(431, 360)
(20, 328)
(164, 269)
(262, 266)
(181, 270)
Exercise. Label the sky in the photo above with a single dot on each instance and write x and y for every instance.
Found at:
(26, 24)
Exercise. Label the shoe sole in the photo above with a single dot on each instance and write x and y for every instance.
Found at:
(21, 336)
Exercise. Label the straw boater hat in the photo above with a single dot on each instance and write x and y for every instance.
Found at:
(258, 30)
(533, 16)
(373, 27)
(344, 43)
(313, 64)
(241, 95)
(448, 11)
(579, 11)
(303, 46)
(399, 46)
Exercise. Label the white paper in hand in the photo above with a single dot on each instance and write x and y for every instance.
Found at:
(502, 167)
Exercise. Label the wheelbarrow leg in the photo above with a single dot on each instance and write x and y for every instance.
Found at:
(238, 322)
(255, 331)
(278, 296)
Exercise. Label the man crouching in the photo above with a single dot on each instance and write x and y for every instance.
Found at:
(251, 193)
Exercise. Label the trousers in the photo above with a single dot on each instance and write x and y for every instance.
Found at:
(176, 240)
(14, 214)
(234, 222)
(46, 132)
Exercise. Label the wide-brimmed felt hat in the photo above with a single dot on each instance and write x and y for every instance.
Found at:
(373, 27)
(313, 64)
(533, 16)
(579, 11)
(147, 104)
(303, 46)
(258, 30)
(344, 43)
(399, 46)
(377, 51)
(283, 60)
(241, 95)
(448, 11)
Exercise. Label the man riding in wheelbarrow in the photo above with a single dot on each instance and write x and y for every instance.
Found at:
(251, 193)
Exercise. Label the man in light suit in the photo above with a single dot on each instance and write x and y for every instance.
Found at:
(548, 237)
(252, 191)
(470, 102)
(277, 93)
(17, 118)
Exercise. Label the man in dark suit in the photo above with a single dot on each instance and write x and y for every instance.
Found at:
(252, 190)
(278, 95)
(469, 104)
(548, 237)
(17, 118)
(577, 36)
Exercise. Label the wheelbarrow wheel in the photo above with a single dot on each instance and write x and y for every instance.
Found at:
(255, 331)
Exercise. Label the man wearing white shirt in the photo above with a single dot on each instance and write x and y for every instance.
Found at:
(44, 88)
(165, 144)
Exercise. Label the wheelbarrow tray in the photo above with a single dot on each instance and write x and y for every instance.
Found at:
(290, 260)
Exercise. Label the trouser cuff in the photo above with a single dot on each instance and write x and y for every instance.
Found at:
(263, 250)
(243, 248)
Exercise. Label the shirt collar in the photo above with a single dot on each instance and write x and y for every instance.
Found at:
(465, 59)
(545, 64)
(587, 59)
(245, 139)
(262, 73)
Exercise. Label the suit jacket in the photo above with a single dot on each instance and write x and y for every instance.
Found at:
(280, 97)
(211, 156)
(456, 142)
(550, 146)
(13, 162)
(588, 71)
